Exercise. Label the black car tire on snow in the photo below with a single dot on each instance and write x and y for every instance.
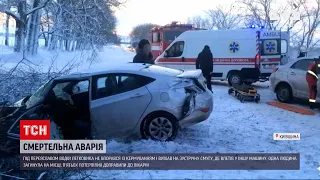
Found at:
(174, 122)
(284, 93)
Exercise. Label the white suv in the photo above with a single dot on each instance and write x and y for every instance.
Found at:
(289, 81)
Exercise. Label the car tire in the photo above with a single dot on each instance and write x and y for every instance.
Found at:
(160, 122)
(234, 79)
(284, 93)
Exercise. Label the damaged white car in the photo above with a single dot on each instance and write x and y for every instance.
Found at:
(130, 99)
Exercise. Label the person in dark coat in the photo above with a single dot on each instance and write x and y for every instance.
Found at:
(205, 63)
(144, 54)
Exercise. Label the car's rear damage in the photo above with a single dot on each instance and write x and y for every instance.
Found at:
(189, 100)
(198, 103)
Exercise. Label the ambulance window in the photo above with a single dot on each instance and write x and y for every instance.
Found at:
(176, 49)
(270, 47)
(155, 37)
(284, 46)
(169, 36)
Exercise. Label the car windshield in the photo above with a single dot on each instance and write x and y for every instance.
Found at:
(162, 70)
(39, 95)
(169, 36)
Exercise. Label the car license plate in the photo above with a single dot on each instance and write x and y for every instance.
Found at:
(269, 66)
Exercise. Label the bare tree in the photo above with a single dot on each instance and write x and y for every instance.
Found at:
(81, 24)
(141, 31)
(223, 17)
(270, 14)
(23, 10)
(33, 29)
(46, 25)
(310, 22)
(199, 22)
(6, 41)
(258, 12)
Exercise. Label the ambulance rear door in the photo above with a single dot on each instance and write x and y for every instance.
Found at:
(270, 44)
(285, 41)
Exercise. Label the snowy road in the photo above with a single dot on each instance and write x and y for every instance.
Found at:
(234, 127)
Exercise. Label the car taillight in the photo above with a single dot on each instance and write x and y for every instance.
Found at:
(257, 59)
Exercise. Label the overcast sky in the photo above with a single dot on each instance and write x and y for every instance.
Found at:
(160, 12)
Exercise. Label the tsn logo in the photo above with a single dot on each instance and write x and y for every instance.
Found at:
(35, 130)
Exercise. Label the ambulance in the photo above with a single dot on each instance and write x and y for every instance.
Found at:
(239, 55)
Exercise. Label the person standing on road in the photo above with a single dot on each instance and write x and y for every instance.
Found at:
(144, 54)
(312, 79)
(205, 63)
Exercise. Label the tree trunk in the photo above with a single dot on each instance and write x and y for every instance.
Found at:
(73, 45)
(79, 45)
(33, 30)
(20, 27)
(19, 36)
(53, 42)
(46, 42)
(6, 41)
(66, 47)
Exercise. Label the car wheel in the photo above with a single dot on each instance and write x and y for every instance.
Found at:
(284, 93)
(234, 79)
(161, 127)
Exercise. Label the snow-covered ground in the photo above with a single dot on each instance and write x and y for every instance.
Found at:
(233, 127)
(31, 72)
(56, 61)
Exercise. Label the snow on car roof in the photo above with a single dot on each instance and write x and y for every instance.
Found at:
(307, 58)
(105, 68)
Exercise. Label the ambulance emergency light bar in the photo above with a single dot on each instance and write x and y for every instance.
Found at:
(256, 26)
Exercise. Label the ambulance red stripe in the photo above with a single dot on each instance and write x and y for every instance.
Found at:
(179, 63)
(236, 61)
